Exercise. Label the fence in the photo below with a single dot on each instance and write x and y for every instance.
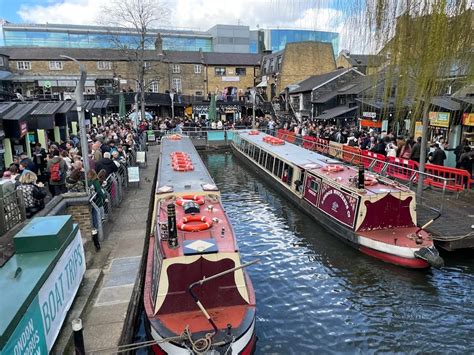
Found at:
(12, 210)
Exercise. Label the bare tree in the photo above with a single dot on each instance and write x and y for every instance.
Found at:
(130, 27)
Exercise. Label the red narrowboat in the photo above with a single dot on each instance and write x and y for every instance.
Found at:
(198, 297)
(374, 214)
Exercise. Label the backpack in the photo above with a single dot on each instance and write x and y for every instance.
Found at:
(55, 171)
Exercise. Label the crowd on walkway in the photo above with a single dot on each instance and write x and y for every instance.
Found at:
(59, 167)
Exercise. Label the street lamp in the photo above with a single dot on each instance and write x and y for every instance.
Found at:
(79, 93)
(253, 93)
(172, 104)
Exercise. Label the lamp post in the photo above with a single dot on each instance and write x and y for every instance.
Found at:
(253, 93)
(79, 93)
(172, 104)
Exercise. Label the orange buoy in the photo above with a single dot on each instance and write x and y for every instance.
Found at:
(206, 223)
(333, 168)
(196, 198)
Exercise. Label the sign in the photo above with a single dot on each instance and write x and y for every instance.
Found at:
(141, 158)
(47, 84)
(38, 329)
(439, 119)
(133, 174)
(369, 114)
(151, 137)
(23, 128)
(418, 129)
(370, 123)
(468, 119)
(230, 78)
(337, 204)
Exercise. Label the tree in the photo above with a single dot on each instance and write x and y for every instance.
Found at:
(131, 23)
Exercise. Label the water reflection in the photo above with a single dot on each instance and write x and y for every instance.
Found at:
(317, 295)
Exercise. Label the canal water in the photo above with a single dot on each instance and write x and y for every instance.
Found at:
(317, 295)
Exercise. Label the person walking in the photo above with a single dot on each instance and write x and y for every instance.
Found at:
(57, 170)
(106, 164)
(33, 193)
(415, 150)
(438, 156)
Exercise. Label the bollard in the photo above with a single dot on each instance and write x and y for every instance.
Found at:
(79, 347)
(361, 179)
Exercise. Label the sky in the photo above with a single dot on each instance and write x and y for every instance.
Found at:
(325, 15)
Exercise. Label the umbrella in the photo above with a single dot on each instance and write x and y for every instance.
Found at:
(148, 115)
(122, 111)
(212, 109)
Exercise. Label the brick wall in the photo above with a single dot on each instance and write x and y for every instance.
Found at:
(217, 83)
(81, 214)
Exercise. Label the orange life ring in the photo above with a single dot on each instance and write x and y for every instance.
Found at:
(174, 137)
(370, 181)
(197, 227)
(196, 198)
(254, 133)
(189, 167)
(181, 161)
(333, 168)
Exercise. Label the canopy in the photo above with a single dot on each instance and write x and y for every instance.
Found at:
(263, 84)
(148, 115)
(212, 109)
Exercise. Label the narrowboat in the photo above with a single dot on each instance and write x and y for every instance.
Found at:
(374, 214)
(198, 297)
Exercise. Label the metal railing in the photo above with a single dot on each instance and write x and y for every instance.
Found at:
(12, 210)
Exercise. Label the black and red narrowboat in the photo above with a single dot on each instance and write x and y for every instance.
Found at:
(374, 214)
(198, 296)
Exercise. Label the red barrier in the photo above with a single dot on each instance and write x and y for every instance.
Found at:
(351, 154)
(459, 179)
(322, 145)
(309, 142)
(368, 157)
(400, 168)
(281, 133)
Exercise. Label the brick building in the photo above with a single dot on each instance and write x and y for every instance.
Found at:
(365, 63)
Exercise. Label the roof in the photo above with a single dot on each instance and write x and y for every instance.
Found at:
(314, 81)
(6, 107)
(4, 74)
(67, 106)
(466, 99)
(446, 102)
(335, 112)
(23, 53)
(364, 60)
(46, 108)
(20, 111)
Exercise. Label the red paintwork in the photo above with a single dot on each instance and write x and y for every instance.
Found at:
(250, 348)
(388, 212)
(397, 260)
(402, 237)
(339, 205)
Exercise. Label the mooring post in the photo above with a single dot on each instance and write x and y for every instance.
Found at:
(79, 347)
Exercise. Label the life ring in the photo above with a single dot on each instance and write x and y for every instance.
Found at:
(196, 198)
(181, 161)
(333, 168)
(174, 137)
(189, 167)
(370, 181)
(277, 141)
(254, 133)
(206, 223)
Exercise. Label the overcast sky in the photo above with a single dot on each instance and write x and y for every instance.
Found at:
(196, 14)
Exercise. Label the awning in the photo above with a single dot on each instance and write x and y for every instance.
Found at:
(15, 123)
(446, 103)
(335, 112)
(43, 115)
(6, 107)
(263, 84)
(4, 75)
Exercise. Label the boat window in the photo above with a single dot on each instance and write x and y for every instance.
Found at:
(252, 150)
(263, 156)
(270, 161)
(279, 172)
(287, 174)
(255, 153)
(314, 185)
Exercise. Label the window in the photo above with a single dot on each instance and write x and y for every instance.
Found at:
(154, 86)
(272, 65)
(197, 68)
(55, 65)
(2, 62)
(279, 64)
(240, 71)
(176, 68)
(219, 71)
(147, 65)
(270, 160)
(177, 85)
(198, 93)
(23, 65)
(314, 185)
(104, 65)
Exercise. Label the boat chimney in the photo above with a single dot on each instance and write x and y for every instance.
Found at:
(172, 232)
(361, 181)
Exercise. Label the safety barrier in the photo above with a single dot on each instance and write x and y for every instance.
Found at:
(309, 142)
(402, 169)
(351, 155)
(445, 177)
(335, 150)
(373, 161)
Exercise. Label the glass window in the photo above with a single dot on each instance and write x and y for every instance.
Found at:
(262, 158)
(240, 71)
(177, 85)
(279, 64)
(104, 65)
(55, 65)
(23, 65)
(314, 186)
(154, 86)
(197, 68)
(270, 161)
(219, 71)
(2, 62)
(176, 68)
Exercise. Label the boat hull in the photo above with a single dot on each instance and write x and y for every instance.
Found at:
(390, 254)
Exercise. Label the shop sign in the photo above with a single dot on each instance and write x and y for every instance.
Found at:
(369, 114)
(418, 129)
(439, 119)
(40, 325)
(23, 128)
(370, 123)
(468, 119)
(230, 78)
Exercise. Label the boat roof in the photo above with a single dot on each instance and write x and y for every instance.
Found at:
(314, 162)
(197, 180)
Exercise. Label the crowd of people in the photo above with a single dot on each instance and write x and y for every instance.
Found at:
(59, 167)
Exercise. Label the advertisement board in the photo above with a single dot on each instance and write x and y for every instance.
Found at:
(468, 119)
(418, 129)
(439, 119)
(40, 325)
(339, 205)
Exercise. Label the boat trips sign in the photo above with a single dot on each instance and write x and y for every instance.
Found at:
(40, 325)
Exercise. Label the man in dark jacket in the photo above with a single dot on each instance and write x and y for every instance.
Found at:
(56, 170)
(107, 164)
(438, 156)
(415, 150)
